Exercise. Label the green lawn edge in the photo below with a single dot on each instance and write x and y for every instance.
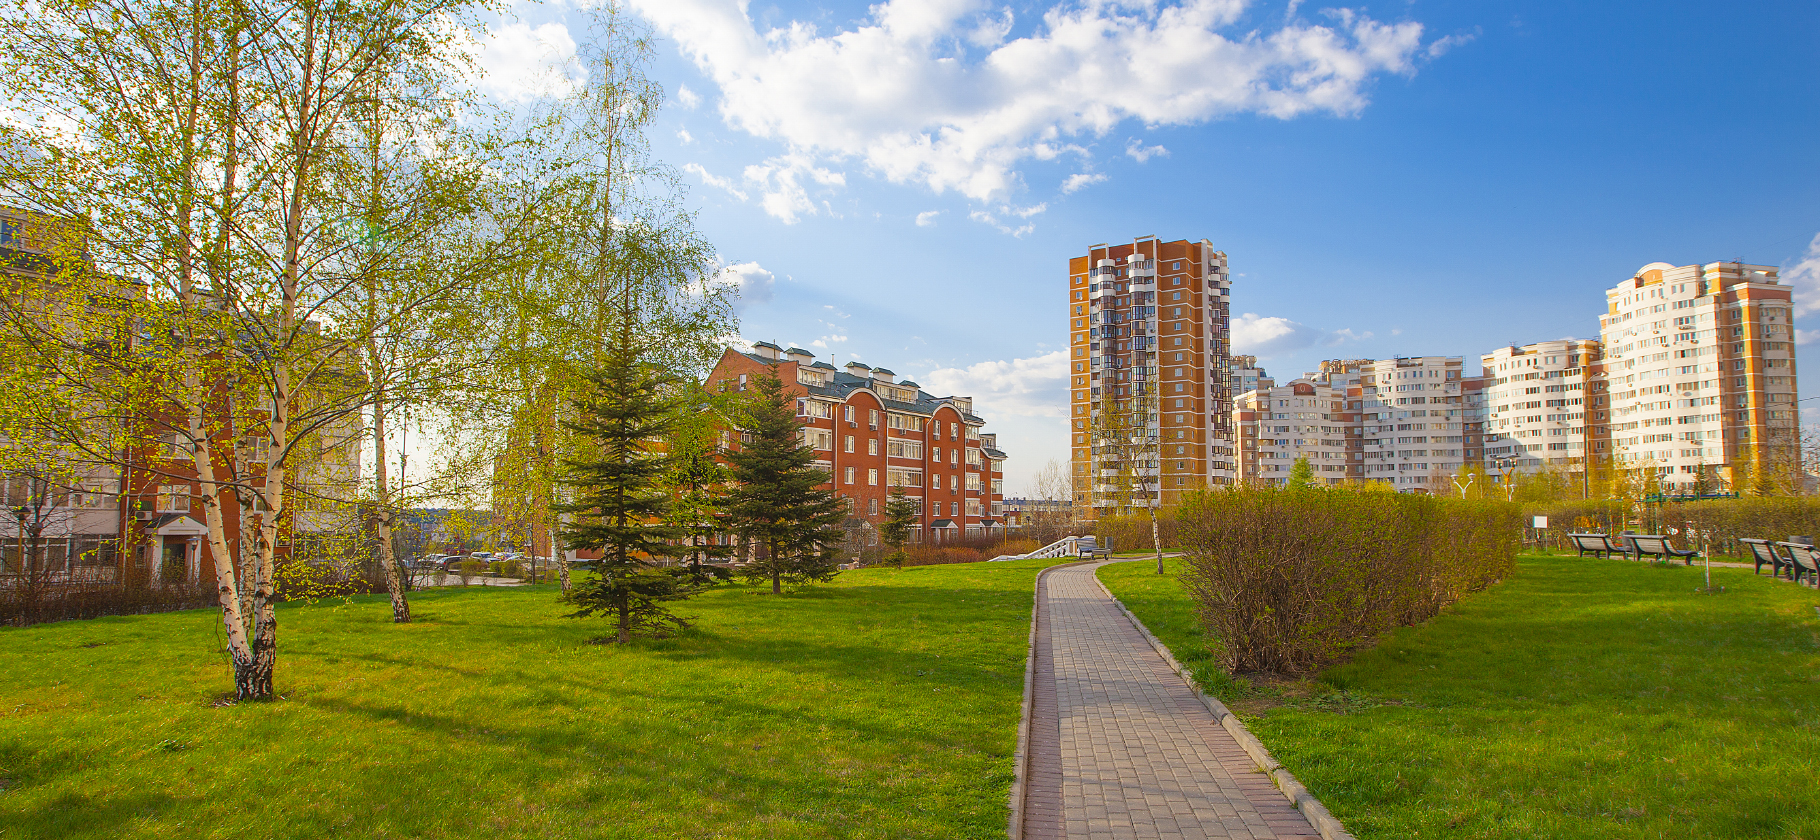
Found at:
(1580, 698)
(883, 705)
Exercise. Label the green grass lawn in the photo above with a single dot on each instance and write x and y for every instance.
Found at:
(883, 705)
(1578, 699)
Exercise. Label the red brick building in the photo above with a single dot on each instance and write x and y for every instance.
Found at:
(872, 432)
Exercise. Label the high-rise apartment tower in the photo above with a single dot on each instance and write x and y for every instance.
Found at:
(1149, 394)
(1700, 370)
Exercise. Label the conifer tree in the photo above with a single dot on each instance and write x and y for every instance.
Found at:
(779, 502)
(621, 498)
(900, 517)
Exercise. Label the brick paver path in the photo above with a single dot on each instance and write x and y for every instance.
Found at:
(1120, 747)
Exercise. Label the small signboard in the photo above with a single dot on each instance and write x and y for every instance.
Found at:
(1541, 522)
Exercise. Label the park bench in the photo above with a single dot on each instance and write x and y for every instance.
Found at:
(1763, 552)
(1802, 562)
(1656, 545)
(1599, 545)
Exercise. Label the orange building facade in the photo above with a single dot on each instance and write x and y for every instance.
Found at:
(871, 433)
(1149, 355)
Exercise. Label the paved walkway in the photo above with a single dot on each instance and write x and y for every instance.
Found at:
(1120, 747)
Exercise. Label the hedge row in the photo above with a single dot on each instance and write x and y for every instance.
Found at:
(1724, 520)
(1292, 580)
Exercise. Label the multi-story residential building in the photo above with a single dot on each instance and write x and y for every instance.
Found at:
(1539, 400)
(1248, 375)
(1021, 513)
(1413, 420)
(1273, 427)
(872, 433)
(1700, 368)
(1150, 394)
(120, 503)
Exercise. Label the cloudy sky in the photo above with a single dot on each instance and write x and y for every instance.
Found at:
(903, 183)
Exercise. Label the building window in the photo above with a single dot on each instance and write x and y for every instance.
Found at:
(872, 418)
(871, 446)
(847, 413)
(935, 481)
(174, 498)
(849, 443)
(849, 475)
(872, 506)
(872, 477)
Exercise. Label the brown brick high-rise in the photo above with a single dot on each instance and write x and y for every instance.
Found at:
(1148, 354)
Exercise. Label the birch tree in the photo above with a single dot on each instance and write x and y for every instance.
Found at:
(208, 150)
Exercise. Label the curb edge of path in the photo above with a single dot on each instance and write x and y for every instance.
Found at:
(1298, 795)
(1021, 759)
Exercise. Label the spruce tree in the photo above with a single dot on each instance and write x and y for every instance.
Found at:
(622, 501)
(778, 501)
(900, 517)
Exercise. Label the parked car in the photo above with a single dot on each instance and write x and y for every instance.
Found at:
(428, 561)
(452, 562)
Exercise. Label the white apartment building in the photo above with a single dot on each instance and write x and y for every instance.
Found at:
(1302, 419)
(1700, 366)
(1538, 400)
(1412, 420)
(1248, 375)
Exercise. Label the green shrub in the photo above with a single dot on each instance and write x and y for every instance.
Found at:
(471, 569)
(1292, 580)
(511, 569)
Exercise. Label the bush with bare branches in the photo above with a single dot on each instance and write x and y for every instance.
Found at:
(1292, 580)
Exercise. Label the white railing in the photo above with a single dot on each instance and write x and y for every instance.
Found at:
(1064, 547)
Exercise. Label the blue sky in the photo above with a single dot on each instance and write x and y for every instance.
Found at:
(903, 183)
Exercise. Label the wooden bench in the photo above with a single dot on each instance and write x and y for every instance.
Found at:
(1763, 552)
(1802, 562)
(1656, 545)
(1599, 545)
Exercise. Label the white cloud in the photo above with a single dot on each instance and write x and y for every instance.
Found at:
(1033, 387)
(931, 92)
(782, 178)
(1137, 150)
(517, 63)
(1440, 47)
(1256, 335)
(1081, 180)
(753, 283)
(1804, 278)
(687, 98)
(1807, 336)
(927, 218)
(715, 181)
(684, 135)
(987, 218)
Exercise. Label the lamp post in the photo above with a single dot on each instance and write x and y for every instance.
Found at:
(1506, 466)
(1462, 487)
